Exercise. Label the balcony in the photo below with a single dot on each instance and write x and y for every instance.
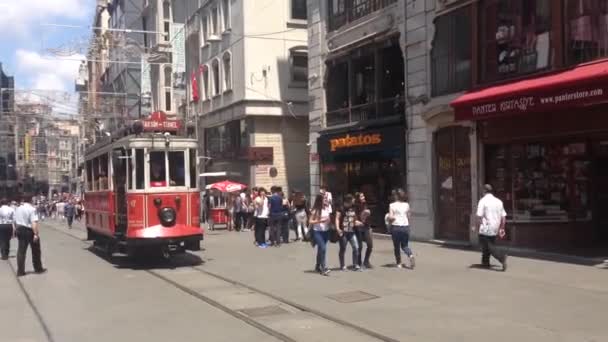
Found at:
(384, 108)
(345, 11)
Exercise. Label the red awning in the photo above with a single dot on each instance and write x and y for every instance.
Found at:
(584, 85)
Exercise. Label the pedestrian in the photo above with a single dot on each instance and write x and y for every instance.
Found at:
(491, 219)
(69, 213)
(364, 231)
(346, 222)
(60, 209)
(240, 212)
(327, 196)
(261, 218)
(28, 234)
(320, 219)
(275, 220)
(399, 217)
(285, 221)
(301, 213)
(79, 210)
(7, 228)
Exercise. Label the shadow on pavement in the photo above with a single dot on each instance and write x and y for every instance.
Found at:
(494, 268)
(148, 261)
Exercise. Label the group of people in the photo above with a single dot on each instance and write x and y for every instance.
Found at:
(346, 222)
(20, 221)
(69, 208)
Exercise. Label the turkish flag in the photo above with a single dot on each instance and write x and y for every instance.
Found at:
(194, 87)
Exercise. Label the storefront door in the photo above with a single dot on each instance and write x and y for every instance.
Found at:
(601, 207)
(453, 182)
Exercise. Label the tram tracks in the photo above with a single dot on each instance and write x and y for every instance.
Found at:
(317, 317)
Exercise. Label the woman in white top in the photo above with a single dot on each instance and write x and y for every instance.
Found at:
(319, 219)
(399, 216)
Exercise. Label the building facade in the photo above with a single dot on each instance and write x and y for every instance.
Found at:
(357, 99)
(8, 174)
(248, 86)
(515, 98)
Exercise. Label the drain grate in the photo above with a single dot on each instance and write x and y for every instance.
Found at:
(264, 311)
(352, 297)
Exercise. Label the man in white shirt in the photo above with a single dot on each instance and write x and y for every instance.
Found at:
(491, 219)
(26, 221)
(7, 228)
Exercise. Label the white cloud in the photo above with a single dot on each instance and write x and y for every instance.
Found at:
(47, 72)
(19, 16)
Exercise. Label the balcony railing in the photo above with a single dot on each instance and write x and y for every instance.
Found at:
(352, 10)
(370, 111)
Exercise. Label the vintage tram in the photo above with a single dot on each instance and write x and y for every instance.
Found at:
(141, 190)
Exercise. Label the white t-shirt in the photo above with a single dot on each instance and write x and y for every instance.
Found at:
(400, 211)
(7, 215)
(323, 226)
(26, 215)
(261, 210)
(491, 211)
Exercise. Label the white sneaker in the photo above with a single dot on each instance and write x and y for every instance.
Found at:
(412, 261)
(399, 265)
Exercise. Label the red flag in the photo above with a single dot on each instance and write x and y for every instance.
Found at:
(194, 87)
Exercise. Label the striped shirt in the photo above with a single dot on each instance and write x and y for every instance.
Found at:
(26, 215)
(7, 215)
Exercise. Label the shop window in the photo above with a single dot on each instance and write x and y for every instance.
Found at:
(225, 142)
(338, 95)
(299, 66)
(516, 38)
(215, 69)
(139, 169)
(177, 168)
(227, 70)
(298, 9)
(158, 170)
(451, 53)
(541, 182)
(587, 30)
(193, 168)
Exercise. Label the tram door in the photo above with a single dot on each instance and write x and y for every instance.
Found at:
(119, 165)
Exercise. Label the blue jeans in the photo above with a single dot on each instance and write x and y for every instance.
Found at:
(346, 238)
(401, 238)
(320, 238)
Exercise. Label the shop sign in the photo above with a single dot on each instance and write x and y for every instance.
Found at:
(259, 154)
(348, 141)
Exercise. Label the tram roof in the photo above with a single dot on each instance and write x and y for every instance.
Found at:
(149, 140)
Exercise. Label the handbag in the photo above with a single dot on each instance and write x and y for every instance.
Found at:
(333, 236)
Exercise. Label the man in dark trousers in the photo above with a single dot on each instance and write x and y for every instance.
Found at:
(28, 234)
(491, 218)
(7, 228)
(69, 212)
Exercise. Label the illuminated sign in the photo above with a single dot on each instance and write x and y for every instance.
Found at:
(355, 141)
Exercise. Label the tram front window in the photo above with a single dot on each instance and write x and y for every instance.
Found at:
(158, 175)
(177, 170)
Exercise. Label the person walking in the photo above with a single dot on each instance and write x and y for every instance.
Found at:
(261, 218)
(69, 213)
(275, 220)
(399, 216)
(7, 228)
(364, 231)
(301, 213)
(346, 222)
(28, 234)
(320, 219)
(491, 219)
(286, 220)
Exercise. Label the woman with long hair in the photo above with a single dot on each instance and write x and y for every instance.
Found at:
(346, 223)
(320, 218)
(364, 231)
(399, 216)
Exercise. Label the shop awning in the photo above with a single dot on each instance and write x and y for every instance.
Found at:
(581, 86)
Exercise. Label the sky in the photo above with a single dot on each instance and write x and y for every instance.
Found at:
(44, 58)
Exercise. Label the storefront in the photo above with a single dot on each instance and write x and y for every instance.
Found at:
(369, 160)
(543, 145)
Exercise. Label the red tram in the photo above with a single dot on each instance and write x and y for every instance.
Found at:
(142, 192)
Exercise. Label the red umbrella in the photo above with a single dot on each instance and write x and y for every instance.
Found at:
(227, 186)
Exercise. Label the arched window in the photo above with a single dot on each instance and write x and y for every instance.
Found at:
(167, 21)
(215, 66)
(168, 88)
(227, 68)
(206, 92)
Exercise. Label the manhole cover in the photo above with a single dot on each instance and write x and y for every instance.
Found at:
(264, 311)
(352, 297)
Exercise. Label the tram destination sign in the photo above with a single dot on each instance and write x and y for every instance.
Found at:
(158, 121)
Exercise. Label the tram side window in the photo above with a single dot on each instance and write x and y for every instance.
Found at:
(89, 175)
(103, 172)
(193, 170)
(129, 169)
(95, 178)
(139, 169)
(158, 174)
(177, 168)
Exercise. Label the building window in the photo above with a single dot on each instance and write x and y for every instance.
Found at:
(206, 92)
(341, 12)
(366, 85)
(215, 66)
(516, 38)
(214, 22)
(167, 21)
(587, 30)
(299, 65)
(451, 52)
(227, 69)
(168, 88)
(204, 30)
(226, 14)
(144, 26)
(298, 9)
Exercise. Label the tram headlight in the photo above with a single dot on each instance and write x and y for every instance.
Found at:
(167, 216)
